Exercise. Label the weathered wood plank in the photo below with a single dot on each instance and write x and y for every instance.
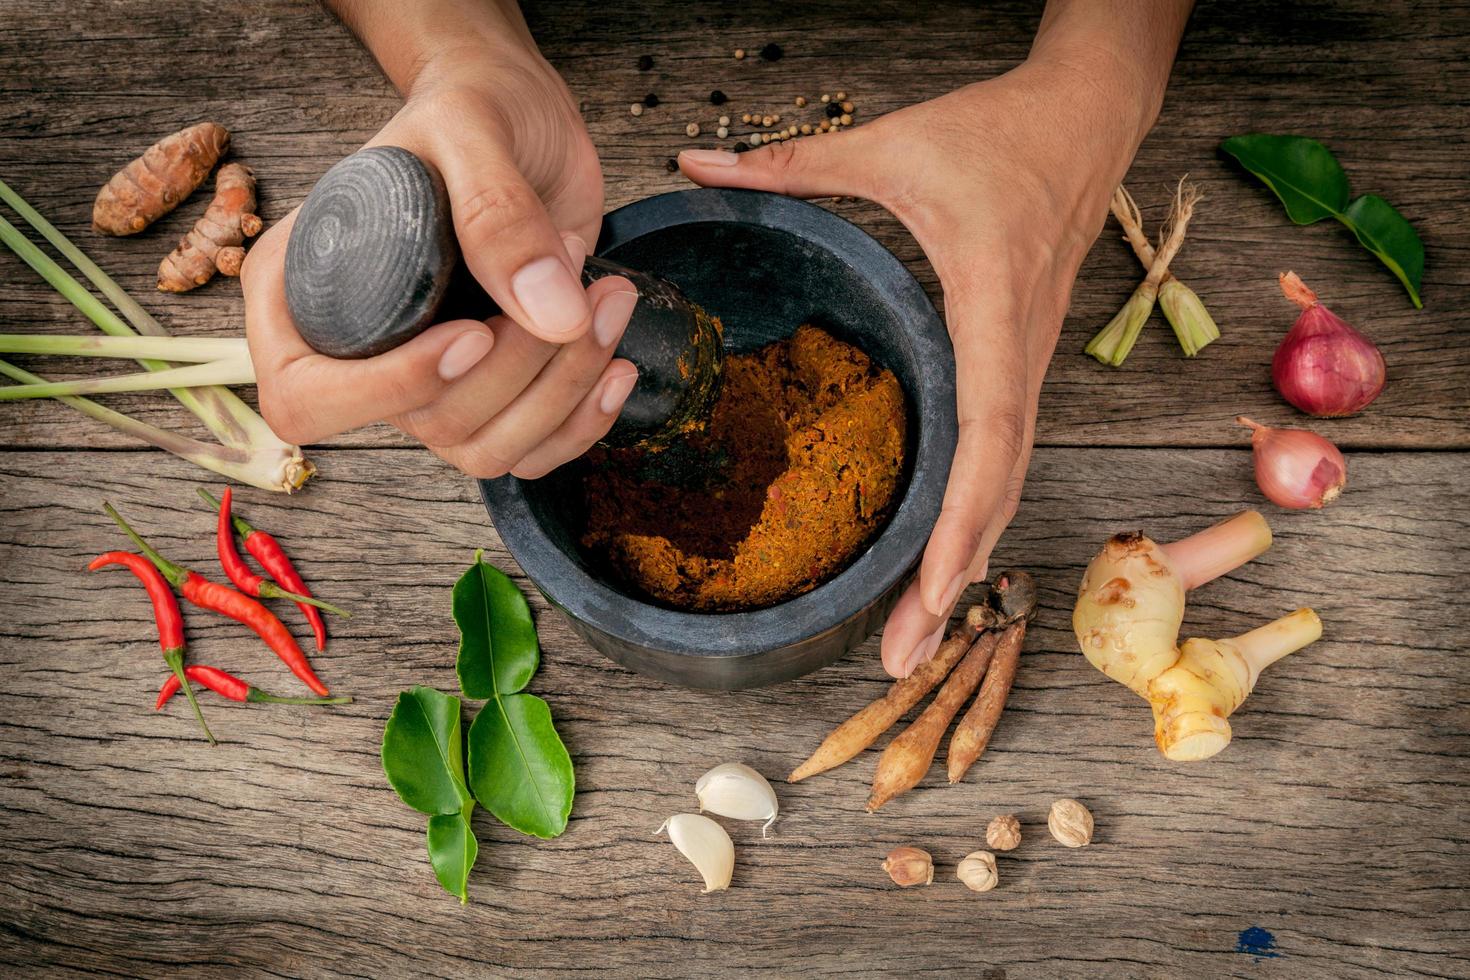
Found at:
(1336, 820)
(1384, 84)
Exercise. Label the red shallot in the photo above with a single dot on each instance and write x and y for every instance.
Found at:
(1296, 468)
(1324, 367)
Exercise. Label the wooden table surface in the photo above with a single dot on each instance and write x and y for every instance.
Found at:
(1329, 840)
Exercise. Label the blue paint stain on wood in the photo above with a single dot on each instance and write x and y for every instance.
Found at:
(1257, 942)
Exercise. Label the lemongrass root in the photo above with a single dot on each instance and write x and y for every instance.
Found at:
(1193, 326)
(263, 468)
(1114, 342)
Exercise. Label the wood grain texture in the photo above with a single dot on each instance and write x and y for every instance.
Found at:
(1336, 821)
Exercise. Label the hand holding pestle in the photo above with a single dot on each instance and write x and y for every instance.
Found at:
(372, 261)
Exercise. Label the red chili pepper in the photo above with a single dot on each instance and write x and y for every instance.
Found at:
(272, 557)
(230, 686)
(236, 605)
(165, 614)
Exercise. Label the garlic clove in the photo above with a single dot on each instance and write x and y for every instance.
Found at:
(706, 845)
(737, 791)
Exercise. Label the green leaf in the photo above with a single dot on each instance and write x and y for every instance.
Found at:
(1302, 172)
(519, 769)
(497, 645)
(452, 851)
(423, 751)
(1388, 235)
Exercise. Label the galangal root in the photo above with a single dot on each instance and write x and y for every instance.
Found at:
(1130, 608)
(158, 181)
(214, 243)
(991, 630)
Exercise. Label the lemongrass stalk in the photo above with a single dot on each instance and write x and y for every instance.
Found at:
(1193, 326)
(108, 322)
(190, 350)
(1115, 341)
(264, 468)
(225, 414)
(227, 372)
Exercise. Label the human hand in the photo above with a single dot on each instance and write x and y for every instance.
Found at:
(522, 392)
(1005, 185)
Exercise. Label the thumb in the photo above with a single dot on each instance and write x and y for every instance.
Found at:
(841, 163)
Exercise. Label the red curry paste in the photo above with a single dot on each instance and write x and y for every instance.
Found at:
(791, 477)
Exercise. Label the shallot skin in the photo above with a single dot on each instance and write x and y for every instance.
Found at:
(1323, 366)
(1296, 469)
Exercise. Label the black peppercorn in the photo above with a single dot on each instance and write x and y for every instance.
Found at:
(833, 110)
(650, 100)
(717, 98)
(771, 52)
(645, 62)
(743, 147)
(671, 165)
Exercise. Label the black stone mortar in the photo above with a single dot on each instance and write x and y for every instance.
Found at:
(764, 264)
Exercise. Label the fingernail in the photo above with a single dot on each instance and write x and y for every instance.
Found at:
(924, 651)
(612, 315)
(713, 158)
(951, 594)
(463, 353)
(576, 251)
(551, 297)
(615, 392)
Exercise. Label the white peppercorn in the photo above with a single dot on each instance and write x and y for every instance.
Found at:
(1070, 823)
(1004, 833)
(977, 871)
